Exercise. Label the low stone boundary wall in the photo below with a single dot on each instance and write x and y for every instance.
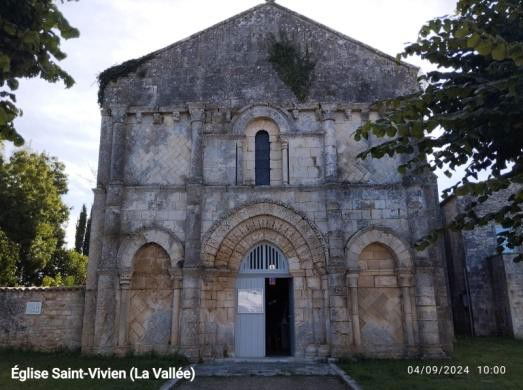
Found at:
(41, 318)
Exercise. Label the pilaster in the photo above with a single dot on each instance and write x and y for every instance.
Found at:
(331, 158)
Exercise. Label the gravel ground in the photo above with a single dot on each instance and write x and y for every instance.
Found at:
(264, 383)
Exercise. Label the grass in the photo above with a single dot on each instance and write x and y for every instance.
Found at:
(371, 373)
(469, 351)
(74, 360)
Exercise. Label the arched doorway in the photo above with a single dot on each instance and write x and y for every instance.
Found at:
(264, 304)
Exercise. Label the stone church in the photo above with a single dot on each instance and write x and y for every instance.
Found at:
(232, 217)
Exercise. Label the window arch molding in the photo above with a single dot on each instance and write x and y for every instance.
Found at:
(277, 161)
(253, 112)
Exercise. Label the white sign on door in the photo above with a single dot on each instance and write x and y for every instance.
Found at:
(250, 300)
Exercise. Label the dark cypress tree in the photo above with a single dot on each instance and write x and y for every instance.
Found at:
(80, 230)
(85, 248)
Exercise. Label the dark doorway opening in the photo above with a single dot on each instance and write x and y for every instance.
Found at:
(278, 316)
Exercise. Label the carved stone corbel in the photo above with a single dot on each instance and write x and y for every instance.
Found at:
(157, 118)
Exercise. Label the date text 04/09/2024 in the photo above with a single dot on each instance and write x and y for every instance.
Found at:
(456, 370)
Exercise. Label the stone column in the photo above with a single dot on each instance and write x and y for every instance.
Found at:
(117, 152)
(104, 319)
(190, 313)
(123, 315)
(325, 349)
(197, 114)
(97, 229)
(331, 158)
(427, 313)
(405, 279)
(104, 155)
(95, 253)
(352, 284)
(194, 189)
(111, 180)
(175, 324)
(285, 161)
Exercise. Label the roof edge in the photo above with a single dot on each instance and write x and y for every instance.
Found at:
(285, 9)
(341, 35)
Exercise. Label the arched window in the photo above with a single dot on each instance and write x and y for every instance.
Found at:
(262, 166)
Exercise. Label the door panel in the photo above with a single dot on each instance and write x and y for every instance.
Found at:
(250, 322)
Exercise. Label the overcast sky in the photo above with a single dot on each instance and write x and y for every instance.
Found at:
(65, 122)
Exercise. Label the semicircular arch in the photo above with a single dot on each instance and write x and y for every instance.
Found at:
(251, 113)
(131, 243)
(380, 235)
(229, 239)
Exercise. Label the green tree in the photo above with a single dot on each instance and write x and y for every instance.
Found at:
(85, 248)
(81, 225)
(475, 98)
(32, 211)
(9, 253)
(30, 38)
(67, 268)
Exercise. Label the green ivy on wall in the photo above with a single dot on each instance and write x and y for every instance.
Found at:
(294, 68)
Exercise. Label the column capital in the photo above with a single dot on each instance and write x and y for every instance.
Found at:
(328, 112)
(196, 111)
(118, 112)
(125, 277)
(352, 278)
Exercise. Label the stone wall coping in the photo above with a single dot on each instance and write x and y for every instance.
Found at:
(35, 288)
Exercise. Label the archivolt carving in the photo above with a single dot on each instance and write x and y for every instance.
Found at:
(231, 236)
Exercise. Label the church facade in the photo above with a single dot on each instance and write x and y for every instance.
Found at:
(233, 219)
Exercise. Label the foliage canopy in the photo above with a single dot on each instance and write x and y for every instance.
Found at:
(30, 37)
(32, 211)
(81, 226)
(475, 97)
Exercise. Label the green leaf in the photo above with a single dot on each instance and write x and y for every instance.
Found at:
(499, 52)
(13, 84)
(473, 40)
(5, 63)
(462, 31)
(484, 47)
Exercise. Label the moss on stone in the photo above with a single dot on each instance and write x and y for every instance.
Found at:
(293, 67)
(115, 72)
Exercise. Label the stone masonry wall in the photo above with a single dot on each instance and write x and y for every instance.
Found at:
(177, 167)
(59, 326)
(475, 272)
(507, 278)
(228, 65)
